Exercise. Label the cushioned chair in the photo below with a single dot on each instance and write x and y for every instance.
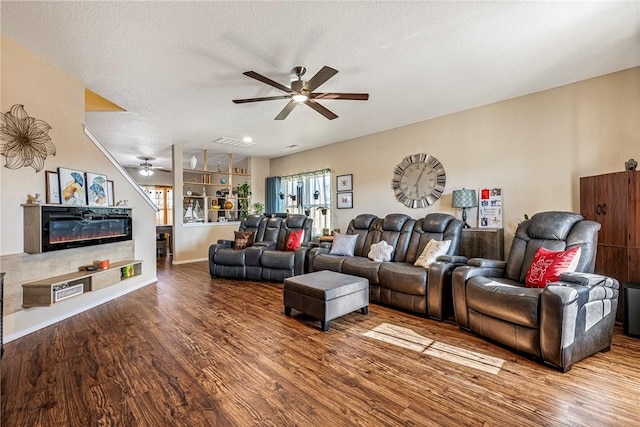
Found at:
(224, 261)
(278, 263)
(561, 323)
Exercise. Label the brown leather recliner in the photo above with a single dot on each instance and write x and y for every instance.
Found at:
(562, 323)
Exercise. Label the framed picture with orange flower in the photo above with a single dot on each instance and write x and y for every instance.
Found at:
(72, 186)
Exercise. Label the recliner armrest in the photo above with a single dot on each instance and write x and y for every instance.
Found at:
(227, 243)
(587, 279)
(308, 245)
(485, 262)
(453, 259)
(266, 245)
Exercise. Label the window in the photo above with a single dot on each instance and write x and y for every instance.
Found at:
(162, 196)
(308, 193)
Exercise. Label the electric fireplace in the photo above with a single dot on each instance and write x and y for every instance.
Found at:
(55, 227)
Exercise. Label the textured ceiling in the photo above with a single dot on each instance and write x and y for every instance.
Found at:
(176, 66)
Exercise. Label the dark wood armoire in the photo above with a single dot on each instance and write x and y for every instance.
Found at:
(614, 201)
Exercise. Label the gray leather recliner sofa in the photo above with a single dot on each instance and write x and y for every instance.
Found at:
(561, 323)
(398, 282)
(267, 258)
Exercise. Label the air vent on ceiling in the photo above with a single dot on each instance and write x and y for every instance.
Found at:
(292, 146)
(235, 142)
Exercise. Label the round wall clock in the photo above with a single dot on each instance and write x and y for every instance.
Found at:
(418, 180)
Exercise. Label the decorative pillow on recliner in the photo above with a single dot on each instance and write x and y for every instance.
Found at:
(343, 244)
(294, 240)
(433, 250)
(243, 239)
(547, 266)
(380, 251)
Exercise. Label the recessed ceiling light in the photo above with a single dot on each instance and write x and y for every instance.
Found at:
(247, 139)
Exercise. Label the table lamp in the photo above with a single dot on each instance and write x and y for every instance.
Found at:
(464, 199)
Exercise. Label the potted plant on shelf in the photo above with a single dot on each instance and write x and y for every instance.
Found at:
(316, 195)
(243, 192)
(258, 208)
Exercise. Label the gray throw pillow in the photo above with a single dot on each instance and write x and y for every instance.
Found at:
(343, 244)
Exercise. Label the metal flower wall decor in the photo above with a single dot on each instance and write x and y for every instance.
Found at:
(26, 139)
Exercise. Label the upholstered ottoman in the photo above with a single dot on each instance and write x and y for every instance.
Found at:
(326, 295)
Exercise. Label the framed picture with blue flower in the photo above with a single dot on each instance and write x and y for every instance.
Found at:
(72, 187)
(97, 189)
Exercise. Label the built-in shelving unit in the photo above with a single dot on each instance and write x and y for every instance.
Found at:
(211, 195)
(45, 292)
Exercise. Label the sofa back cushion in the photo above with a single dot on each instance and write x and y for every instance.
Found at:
(255, 223)
(294, 222)
(272, 230)
(436, 226)
(361, 225)
(395, 229)
(555, 231)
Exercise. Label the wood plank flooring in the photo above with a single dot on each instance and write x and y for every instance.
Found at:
(194, 351)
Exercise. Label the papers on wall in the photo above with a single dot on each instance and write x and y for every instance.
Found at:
(490, 208)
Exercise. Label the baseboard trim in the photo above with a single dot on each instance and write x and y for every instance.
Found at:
(79, 310)
(189, 261)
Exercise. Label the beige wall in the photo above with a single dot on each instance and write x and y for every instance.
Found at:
(535, 148)
(52, 95)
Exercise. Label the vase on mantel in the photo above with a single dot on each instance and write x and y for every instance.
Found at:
(194, 162)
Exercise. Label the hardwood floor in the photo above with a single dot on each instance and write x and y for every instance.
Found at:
(193, 351)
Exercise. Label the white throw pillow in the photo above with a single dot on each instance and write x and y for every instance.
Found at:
(380, 251)
(433, 250)
(343, 244)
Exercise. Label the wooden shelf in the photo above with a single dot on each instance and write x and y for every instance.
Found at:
(43, 293)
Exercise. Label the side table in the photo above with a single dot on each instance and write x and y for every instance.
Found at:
(482, 243)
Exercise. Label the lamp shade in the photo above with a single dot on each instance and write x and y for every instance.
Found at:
(464, 199)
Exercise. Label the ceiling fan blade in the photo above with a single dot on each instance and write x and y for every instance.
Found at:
(267, 98)
(266, 80)
(286, 110)
(320, 109)
(352, 96)
(321, 76)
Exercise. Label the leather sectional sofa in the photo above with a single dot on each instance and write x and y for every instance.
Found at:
(398, 282)
(267, 258)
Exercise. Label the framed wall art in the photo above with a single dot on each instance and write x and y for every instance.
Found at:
(96, 189)
(72, 187)
(345, 200)
(110, 196)
(53, 188)
(344, 182)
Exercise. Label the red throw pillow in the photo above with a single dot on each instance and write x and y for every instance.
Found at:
(243, 239)
(294, 240)
(547, 266)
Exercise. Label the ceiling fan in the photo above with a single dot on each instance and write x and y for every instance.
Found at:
(302, 92)
(147, 168)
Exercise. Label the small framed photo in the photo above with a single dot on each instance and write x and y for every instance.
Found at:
(345, 200)
(96, 189)
(110, 196)
(53, 188)
(344, 182)
(72, 187)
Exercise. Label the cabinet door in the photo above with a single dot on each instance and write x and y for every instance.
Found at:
(613, 261)
(605, 201)
(633, 210)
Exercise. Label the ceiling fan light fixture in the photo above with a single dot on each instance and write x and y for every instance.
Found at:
(299, 97)
(146, 172)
